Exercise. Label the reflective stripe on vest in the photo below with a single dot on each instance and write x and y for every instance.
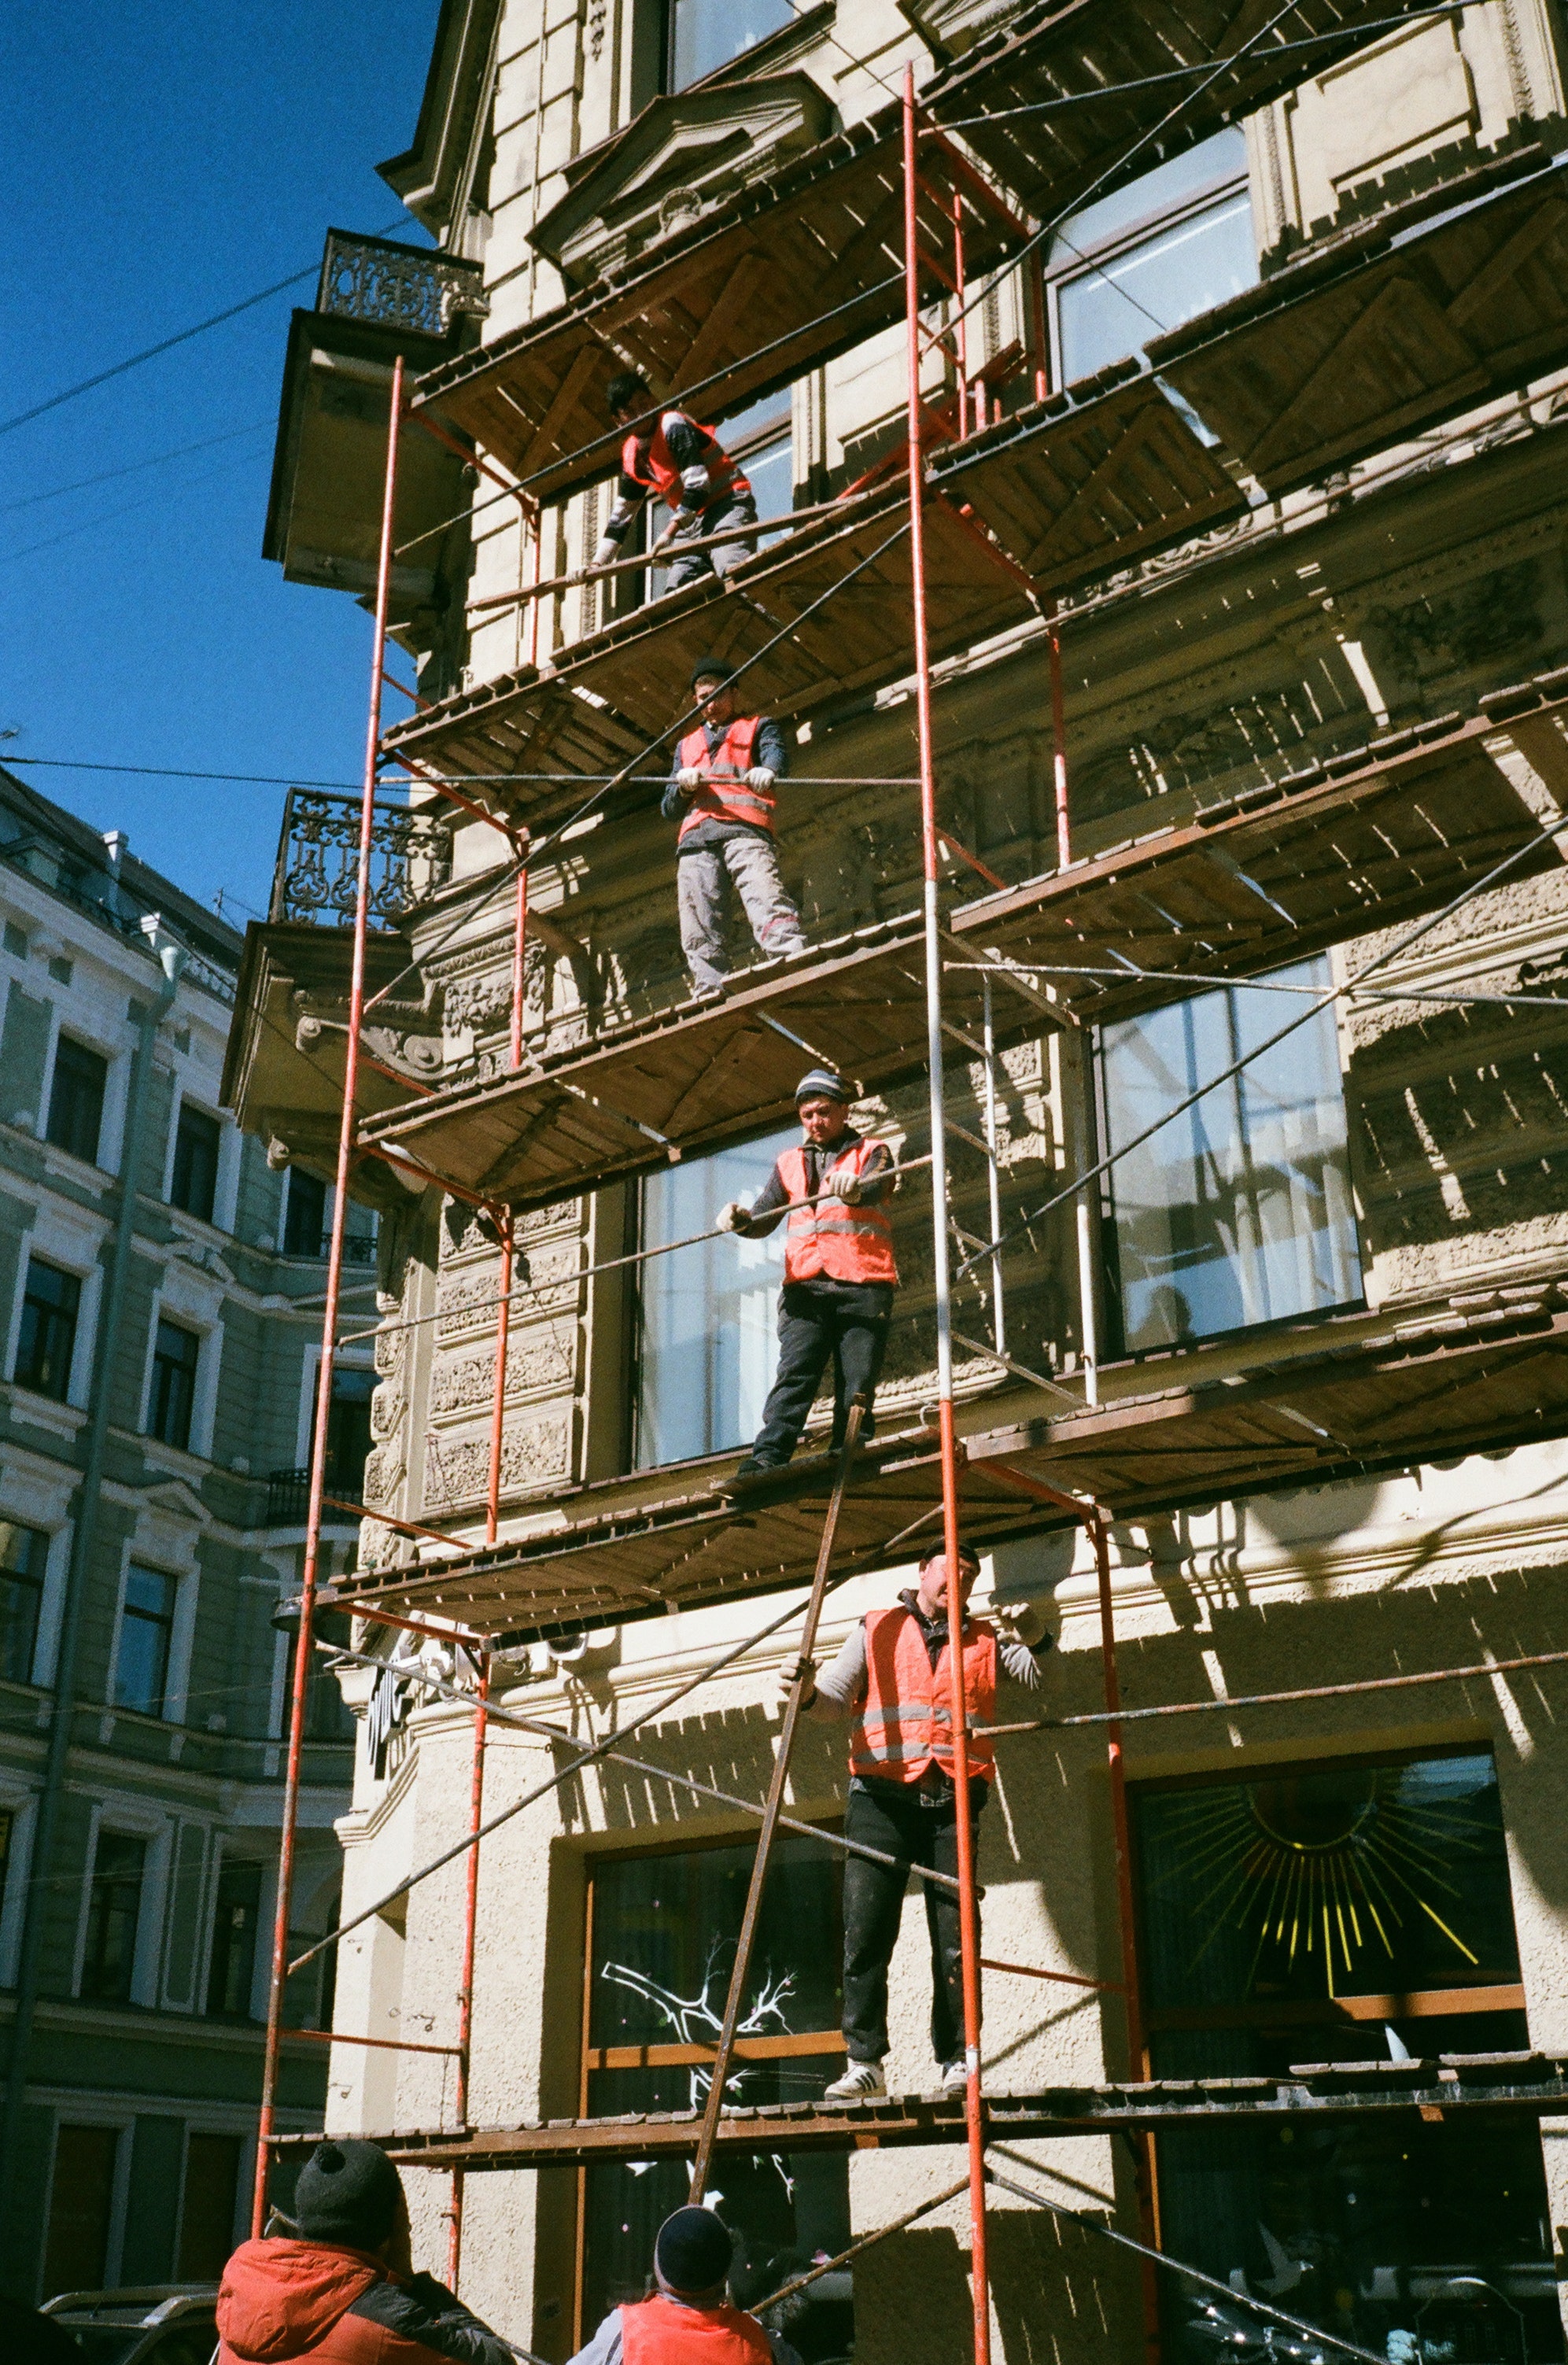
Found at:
(907, 1720)
(662, 2331)
(832, 1237)
(664, 477)
(724, 795)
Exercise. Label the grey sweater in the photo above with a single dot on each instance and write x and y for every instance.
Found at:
(841, 1688)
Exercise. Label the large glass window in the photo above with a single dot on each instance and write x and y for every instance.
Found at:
(23, 1552)
(176, 1352)
(146, 1627)
(708, 1312)
(1173, 243)
(348, 1431)
(193, 1186)
(76, 1100)
(706, 34)
(1238, 1210)
(1330, 1912)
(235, 1923)
(661, 1932)
(305, 1219)
(113, 1910)
(47, 1341)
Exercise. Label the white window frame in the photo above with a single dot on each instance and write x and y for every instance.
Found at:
(204, 1400)
(68, 1257)
(182, 1634)
(226, 1189)
(131, 1819)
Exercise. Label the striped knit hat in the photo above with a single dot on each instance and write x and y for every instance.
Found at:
(821, 1085)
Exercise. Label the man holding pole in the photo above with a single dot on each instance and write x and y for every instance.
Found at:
(893, 1676)
(839, 1273)
(669, 454)
(721, 790)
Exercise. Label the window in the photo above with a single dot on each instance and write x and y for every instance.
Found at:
(81, 2207)
(176, 1353)
(76, 1100)
(23, 1552)
(1237, 1211)
(706, 34)
(1304, 1913)
(113, 1910)
(707, 1312)
(235, 1923)
(196, 1141)
(8, 1842)
(48, 1337)
(348, 1431)
(207, 2219)
(662, 1930)
(147, 1623)
(1172, 244)
(305, 1218)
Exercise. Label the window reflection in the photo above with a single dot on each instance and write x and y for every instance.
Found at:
(706, 34)
(1238, 1210)
(708, 1312)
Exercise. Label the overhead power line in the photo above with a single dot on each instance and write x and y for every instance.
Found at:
(181, 337)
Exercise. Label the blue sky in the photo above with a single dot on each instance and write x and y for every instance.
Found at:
(166, 163)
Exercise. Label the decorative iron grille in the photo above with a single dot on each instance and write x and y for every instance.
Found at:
(318, 859)
(397, 286)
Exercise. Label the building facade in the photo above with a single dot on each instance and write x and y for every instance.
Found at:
(1301, 1338)
(162, 1333)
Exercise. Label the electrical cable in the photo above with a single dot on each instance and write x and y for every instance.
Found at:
(109, 475)
(183, 336)
(107, 517)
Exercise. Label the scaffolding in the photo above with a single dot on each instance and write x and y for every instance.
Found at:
(1093, 940)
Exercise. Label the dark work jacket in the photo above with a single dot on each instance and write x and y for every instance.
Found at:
(284, 2299)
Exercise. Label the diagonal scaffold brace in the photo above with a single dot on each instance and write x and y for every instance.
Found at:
(734, 2003)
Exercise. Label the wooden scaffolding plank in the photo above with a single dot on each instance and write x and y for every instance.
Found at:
(1398, 326)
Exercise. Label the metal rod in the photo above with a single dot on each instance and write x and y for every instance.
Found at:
(302, 1656)
(1058, 740)
(498, 1383)
(992, 1177)
(866, 2242)
(1062, 1978)
(1155, 2258)
(466, 1980)
(739, 1970)
(379, 2044)
(584, 574)
(1078, 1079)
(963, 1827)
(1138, 2057)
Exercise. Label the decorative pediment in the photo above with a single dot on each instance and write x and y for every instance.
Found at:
(950, 28)
(172, 1500)
(673, 163)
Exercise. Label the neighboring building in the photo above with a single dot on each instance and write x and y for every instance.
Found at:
(140, 1952)
(1328, 1302)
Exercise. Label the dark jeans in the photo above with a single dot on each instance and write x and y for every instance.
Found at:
(893, 1816)
(732, 515)
(845, 1326)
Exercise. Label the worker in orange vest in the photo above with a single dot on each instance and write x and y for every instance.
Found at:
(670, 455)
(893, 1676)
(839, 1273)
(687, 2319)
(722, 792)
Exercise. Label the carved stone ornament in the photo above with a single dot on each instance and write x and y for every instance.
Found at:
(458, 1473)
(690, 152)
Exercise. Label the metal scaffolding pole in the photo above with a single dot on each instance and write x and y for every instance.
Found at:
(969, 1927)
(300, 1687)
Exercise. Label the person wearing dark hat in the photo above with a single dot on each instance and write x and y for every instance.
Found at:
(687, 2318)
(721, 790)
(668, 453)
(839, 1272)
(340, 2290)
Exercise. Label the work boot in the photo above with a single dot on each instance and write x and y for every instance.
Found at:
(860, 2082)
(955, 2075)
(751, 1467)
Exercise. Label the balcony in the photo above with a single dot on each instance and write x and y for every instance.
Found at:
(397, 287)
(316, 871)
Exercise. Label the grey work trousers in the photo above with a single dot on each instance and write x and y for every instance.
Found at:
(733, 514)
(703, 893)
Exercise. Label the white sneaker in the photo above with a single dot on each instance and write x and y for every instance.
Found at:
(955, 2076)
(859, 2082)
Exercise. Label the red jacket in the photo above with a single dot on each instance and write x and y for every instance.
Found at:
(284, 2299)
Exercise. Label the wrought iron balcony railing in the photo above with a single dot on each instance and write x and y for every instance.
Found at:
(397, 286)
(318, 859)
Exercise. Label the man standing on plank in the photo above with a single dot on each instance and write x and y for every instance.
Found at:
(839, 1273)
(721, 790)
(669, 454)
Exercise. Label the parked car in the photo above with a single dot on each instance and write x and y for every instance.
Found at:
(160, 2323)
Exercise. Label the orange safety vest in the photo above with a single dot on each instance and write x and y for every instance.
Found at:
(846, 1243)
(907, 1720)
(661, 2331)
(724, 795)
(664, 477)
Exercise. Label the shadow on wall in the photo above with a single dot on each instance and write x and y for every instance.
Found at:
(1055, 2299)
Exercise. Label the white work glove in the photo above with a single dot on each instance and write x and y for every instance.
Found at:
(787, 1676)
(689, 779)
(733, 1218)
(1020, 1622)
(607, 550)
(761, 776)
(843, 1183)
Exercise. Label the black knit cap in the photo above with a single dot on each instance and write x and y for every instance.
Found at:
(347, 2193)
(693, 2251)
(712, 669)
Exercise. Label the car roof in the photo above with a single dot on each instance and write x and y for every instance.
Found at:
(139, 2303)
